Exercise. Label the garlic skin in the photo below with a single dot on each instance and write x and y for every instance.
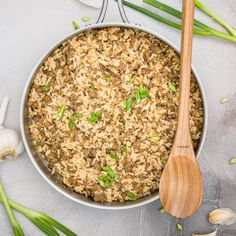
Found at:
(11, 144)
(222, 216)
(92, 3)
(210, 234)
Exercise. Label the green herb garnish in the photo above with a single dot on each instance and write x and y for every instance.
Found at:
(141, 93)
(131, 196)
(76, 26)
(114, 157)
(123, 148)
(224, 100)
(106, 181)
(108, 78)
(71, 121)
(109, 171)
(47, 87)
(179, 227)
(155, 138)
(128, 104)
(162, 210)
(94, 117)
(172, 87)
(85, 18)
(60, 112)
(232, 161)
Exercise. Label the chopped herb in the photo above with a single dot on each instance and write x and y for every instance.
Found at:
(128, 104)
(172, 87)
(232, 161)
(105, 181)
(91, 86)
(224, 100)
(179, 227)
(47, 87)
(114, 157)
(72, 120)
(132, 80)
(131, 196)
(162, 210)
(141, 93)
(76, 26)
(60, 112)
(155, 138)
(108, 78)
(94, 117)
(123, 148)
(109, 171)
(85, 18)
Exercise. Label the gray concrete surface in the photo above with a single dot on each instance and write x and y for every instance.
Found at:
(27, 29)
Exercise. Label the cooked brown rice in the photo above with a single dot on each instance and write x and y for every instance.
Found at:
(119, 153)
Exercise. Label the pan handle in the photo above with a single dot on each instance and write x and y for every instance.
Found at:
(104, 10)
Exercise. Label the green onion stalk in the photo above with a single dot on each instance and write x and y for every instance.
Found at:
(45, 223)
(199, 27)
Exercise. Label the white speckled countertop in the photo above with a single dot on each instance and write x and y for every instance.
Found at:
(27, 29)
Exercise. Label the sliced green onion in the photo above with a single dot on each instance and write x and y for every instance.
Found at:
(224, 100)
(162, 210)
(71, 122)
(60, 112)
(131, 196)
(91, 86)
(85, 18)
(232, 161)
(109, 171)
(94, 117)
(132, 80)
(47, 87)
(141, 93)
(128, 104)
(179, 227)
(155, 138)
(104, 181)
(172, 86)
(123, 148)
(76, 26)
(108, 78)
(114, 157)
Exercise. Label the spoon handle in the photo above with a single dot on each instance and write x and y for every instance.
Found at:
(183, 139)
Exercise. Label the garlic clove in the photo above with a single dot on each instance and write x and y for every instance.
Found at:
(223, 216)
(210, 234)
(92, 3)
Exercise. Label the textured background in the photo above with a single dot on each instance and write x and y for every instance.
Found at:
(27, 29)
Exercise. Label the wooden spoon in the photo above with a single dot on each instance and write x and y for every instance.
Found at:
(181, 182)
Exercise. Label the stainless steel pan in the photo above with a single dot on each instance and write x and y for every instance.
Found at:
(38, 162)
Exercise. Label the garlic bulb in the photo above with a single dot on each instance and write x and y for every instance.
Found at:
(10, 142)
(93, 3)
(210, 234)
(223, 216)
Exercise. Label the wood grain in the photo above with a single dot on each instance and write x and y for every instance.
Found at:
(181, 181)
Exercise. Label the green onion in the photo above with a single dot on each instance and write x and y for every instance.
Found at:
(15, 225)
(232, 161)
(179, 227)
(47, 87)
(131, 196)
(132, 80)
(104, 181)
(76, 26)
(108, 78)
(162, 210)
(205, 30)
(114, 157)
(141, 93)
(224, 100)
(128, 104)
(91, 86)
(85, 18)
(123, 148)
(155, 138)
(94, 117)
(172, 86)
(109, 171)
(60, 112)
(71, 121)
